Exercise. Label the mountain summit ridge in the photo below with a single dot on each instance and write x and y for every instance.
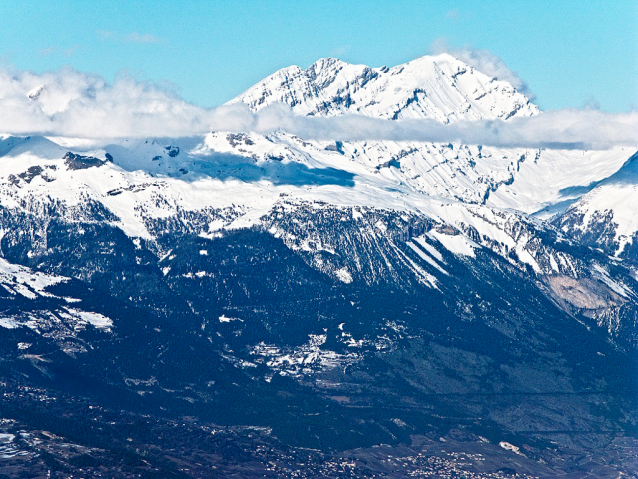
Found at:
(439, 87)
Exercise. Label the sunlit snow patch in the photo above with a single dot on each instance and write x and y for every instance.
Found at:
(344, 275)
(86, 317)
(510, 447)
(426, 257)
(603, 275)
(456, 244)
(21, 280)
(226, 319)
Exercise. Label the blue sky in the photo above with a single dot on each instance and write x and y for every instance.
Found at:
(570, 53)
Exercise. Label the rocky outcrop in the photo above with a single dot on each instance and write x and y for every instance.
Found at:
(74, 161)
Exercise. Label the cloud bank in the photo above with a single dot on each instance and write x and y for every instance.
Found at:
(561, 129)
(73, 104)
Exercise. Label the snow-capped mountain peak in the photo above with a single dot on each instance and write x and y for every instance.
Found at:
(438, 87)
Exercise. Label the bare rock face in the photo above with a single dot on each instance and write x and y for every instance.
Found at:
(172, 151)
(74, 161)
(584, 294)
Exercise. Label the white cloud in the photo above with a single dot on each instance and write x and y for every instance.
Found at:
(73, 104)
(485, 62)
(564, 129)
(70, 103)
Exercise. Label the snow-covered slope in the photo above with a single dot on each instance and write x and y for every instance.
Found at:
(607, 216)
(556, 178)
(27, 303)
(438, 87)
(445, 89)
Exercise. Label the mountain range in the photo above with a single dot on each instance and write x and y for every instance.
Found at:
(263, 296)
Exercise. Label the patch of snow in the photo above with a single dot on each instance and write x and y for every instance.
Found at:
(422, 276)
(527, 258)
(426, 258)
(26, 282)
(456, 244)
(381, 226)
(95, 319)
(618, 288)
(344, 275)
(510, 447)
(429, 248)
(8, 323)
